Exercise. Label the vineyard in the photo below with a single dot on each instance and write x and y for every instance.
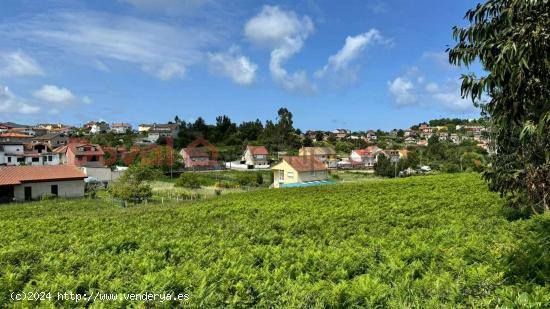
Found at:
(426, 242)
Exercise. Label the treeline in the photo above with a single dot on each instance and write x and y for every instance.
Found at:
(279, 135)
(438, 155)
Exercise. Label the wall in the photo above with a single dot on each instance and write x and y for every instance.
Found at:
(70, 188)
(101, 173)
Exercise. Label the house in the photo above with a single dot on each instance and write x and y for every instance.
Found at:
(455, 138)
(341, 133)
(326, 155)
(81, 155)
(53, 139)
(25, 183)
(3, 128)
(15, 137)
(13, 154)
(255, 155)
(411, 140)
(196, 158)
(155, 131)
(97, 127)
(121, 128)
(299, 171)
(365, 157)
(370, 136)
(392, 154)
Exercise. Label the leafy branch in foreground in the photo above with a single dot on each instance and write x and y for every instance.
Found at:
(511, 40)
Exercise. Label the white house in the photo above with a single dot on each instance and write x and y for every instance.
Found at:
(120, 128)
(255, 155)
(25, 183)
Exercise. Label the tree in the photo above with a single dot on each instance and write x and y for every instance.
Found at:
(511, 39)
(132, 185)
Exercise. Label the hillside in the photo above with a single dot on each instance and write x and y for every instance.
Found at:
(434, 241)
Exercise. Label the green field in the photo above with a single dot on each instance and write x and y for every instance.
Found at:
(424, 242)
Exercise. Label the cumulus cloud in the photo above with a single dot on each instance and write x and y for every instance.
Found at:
(234, 65)
(284, 33)
(403, 90)
(161, 49)
(339, 64)
(10, 103)
(58, 96)
(13, 64)
(408, 90)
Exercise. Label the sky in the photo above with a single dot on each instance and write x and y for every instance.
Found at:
(366, 64)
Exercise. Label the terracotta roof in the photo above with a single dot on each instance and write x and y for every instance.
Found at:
(74, 146)
(195, 152)
(15, 135)
(363, 152)
(305, 163)
(258, 150)
(14, 175)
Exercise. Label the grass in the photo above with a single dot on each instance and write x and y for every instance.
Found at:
(425, 242)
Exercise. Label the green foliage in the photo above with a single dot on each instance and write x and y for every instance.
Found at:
(48, 196)
(188, 180)
(511, 40)
(128, 191)
(430, 242)
(132, 184)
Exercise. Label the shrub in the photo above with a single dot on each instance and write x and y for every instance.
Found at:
(246, 179)
(259, 179)
(48, 196)
(135, 192)
(188, 180)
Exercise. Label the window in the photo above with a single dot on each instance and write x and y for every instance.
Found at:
(50, 158)
(290, 175)
(281, 175)
(9, 159)
(36, 159)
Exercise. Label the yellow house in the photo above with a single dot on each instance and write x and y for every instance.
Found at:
(298, 170)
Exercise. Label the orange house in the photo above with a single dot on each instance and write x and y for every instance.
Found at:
(83, 155)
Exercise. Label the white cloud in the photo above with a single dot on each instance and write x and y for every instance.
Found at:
(445, 96)
(100, 65)
(339, 63)
(9, 103)
(403, 90)
(166, 71)
(58, 96)
(432, 87)
(233, 65)
(284, 33)
(18, 64)
(164, 50)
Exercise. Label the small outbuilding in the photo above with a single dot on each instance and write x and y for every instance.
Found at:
(26, 183)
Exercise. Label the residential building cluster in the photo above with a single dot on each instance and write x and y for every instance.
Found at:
(44, 158)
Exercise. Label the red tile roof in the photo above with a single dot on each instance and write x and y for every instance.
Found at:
(257, 150)
(195, 152)
(14, 175)
(305, 163)
(15, 135)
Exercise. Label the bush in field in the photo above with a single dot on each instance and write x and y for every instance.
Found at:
(259, 179)
(188, 180)
(48, 196)
(132, 185)
(133, 192)
(246, 179)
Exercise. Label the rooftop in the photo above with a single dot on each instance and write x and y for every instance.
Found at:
(14, 175)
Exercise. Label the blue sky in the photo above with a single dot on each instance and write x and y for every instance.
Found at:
(334, 64)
